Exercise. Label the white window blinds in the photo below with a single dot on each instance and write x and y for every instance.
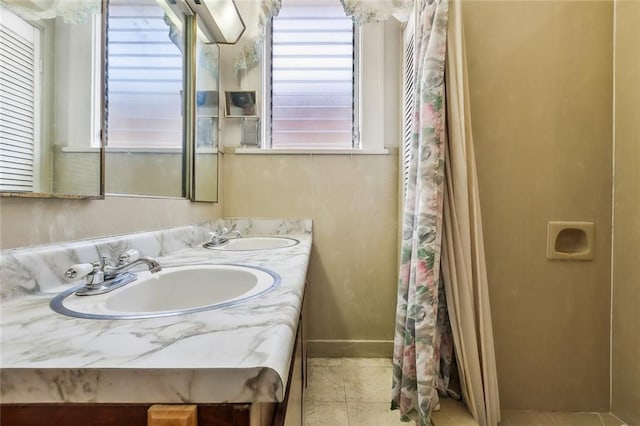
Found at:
(408, 99)
(144, 74)
(19, 104)
(312, 76)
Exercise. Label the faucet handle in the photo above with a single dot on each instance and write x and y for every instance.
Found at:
(79, 270)
(128, 256)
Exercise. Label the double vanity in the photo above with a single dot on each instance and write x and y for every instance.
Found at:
(218, 326)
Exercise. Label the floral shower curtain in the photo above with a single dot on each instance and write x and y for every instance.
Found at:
(421, 311)
(443, 273)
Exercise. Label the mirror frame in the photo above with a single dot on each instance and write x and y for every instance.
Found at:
(103, 116)
(211, 13)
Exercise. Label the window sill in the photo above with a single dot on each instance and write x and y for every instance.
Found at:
(136, 150)
(126, 150)
(262, 151)
(78, 149)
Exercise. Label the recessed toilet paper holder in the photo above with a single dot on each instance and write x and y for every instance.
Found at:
(570, 240)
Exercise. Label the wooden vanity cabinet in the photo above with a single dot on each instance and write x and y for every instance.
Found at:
(117, 415)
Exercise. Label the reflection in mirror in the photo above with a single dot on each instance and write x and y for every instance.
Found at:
(205, 167)
(219, 20)
(144, 154)
(51, 98)
(240, 104)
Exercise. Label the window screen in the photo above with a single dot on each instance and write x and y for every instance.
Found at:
(408, 100)
(312, 78)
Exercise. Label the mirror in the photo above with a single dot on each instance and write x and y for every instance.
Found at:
(144, 80)
(87, 109)
(51, 103)
(156, 145)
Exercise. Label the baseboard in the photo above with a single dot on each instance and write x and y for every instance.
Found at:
(350, 348)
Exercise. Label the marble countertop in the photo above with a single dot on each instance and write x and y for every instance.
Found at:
(233, 354)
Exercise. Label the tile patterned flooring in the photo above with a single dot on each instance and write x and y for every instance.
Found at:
(546, 418)
(356, 392)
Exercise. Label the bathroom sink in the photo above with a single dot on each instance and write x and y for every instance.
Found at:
(253, 243)
(172, 291)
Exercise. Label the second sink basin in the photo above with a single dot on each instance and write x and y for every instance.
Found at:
(253, 243)
(172, 291)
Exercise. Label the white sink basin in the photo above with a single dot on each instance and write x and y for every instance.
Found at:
(172, 291)
(254, 243)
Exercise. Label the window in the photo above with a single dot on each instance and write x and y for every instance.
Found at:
(144, 72)
(20, 105)
(312, 102)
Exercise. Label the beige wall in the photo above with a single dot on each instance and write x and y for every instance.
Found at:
(25, 221)
(540, 78)
(352, 201)
(626, 273)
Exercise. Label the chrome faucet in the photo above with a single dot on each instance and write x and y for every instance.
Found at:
(218, 238)
(126, 263)
(103, 276)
